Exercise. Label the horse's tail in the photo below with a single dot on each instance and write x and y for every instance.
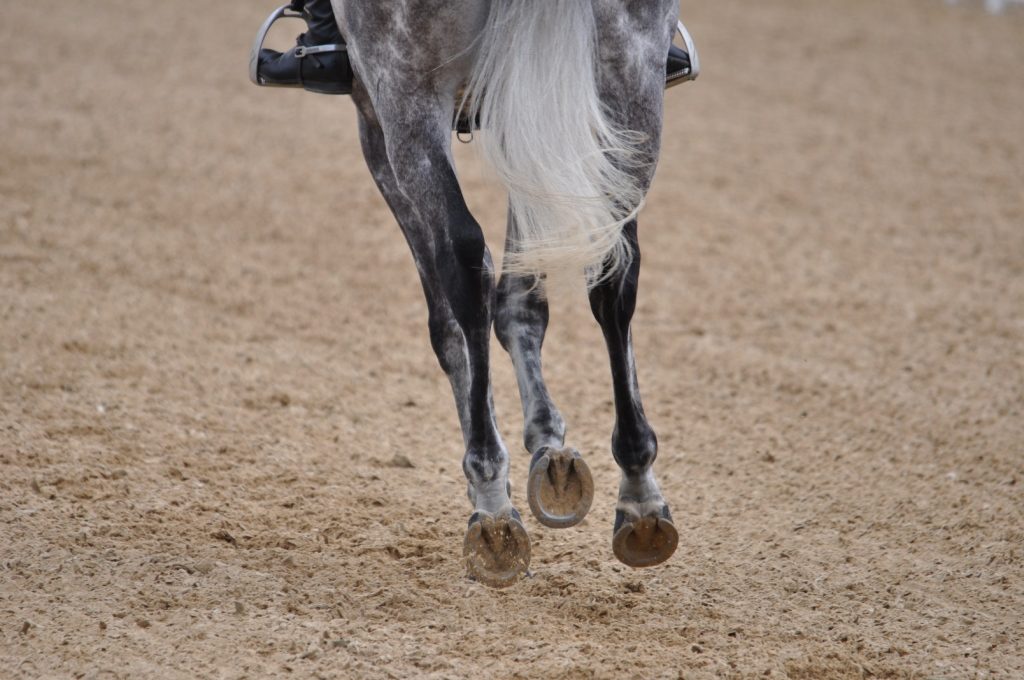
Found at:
(565, 163)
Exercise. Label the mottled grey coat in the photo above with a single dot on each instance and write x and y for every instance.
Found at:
(412, 58)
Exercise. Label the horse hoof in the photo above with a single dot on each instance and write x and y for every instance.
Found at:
(645, 541)
(560, 489)
(496, 550)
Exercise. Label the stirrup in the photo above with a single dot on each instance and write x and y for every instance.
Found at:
(282, 12)
(685, 74)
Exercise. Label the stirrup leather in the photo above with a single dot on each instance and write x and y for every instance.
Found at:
(282, 12)
(685, 74)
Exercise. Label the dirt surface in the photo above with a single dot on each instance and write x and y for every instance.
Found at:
(226, 449)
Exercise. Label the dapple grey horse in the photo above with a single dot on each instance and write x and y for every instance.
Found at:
(568, 96)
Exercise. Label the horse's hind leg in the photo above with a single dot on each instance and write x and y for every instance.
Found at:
(643, 534)
(631, 80)
(411, 165)
(560, 488)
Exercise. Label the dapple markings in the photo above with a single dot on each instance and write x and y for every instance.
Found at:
(576, 181)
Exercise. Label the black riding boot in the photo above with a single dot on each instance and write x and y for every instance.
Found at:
(678, 68)
(318, 62)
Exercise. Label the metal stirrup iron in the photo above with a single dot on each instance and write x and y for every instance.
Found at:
(686, 74)
(691, 47)
(282, 12)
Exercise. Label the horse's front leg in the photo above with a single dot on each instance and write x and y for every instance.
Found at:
(407, 151)
(643, 535)
(560, 489)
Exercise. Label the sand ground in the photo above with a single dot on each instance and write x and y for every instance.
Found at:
(226, 449)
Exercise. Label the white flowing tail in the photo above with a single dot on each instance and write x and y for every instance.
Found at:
(565, 164)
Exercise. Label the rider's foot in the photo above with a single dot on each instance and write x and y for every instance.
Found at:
(315, 66)
(678, 68)
(318, 62)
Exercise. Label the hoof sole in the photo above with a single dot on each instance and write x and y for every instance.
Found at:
(496, 550)
(560, 488)
(645, 542)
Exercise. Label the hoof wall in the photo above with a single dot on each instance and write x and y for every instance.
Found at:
(496, 550)
(645, 542)
(560, 489)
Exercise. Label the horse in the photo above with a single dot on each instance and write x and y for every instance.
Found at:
(568, 98)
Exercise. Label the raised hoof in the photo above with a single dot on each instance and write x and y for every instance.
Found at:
(496, 550)
(560, 489)
(645, 541)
